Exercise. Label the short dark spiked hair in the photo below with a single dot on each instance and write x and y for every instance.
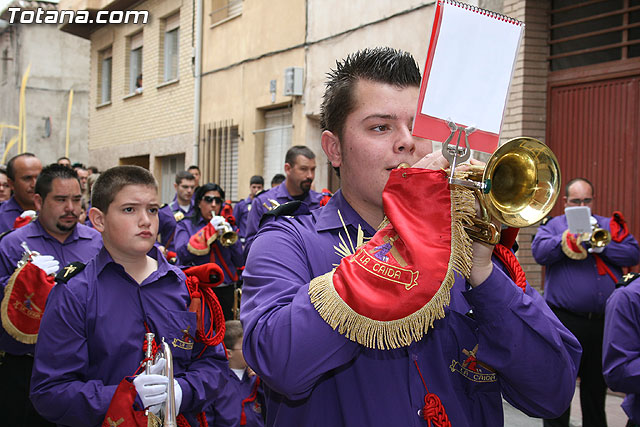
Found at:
(380, 64)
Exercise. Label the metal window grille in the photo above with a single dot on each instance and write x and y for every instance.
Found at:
(590, 32)
(218, 156)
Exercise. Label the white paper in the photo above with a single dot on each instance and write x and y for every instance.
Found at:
(471, 69)
(578, 219)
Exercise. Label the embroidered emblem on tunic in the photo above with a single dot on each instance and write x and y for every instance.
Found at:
(186, 343)
(472, 369)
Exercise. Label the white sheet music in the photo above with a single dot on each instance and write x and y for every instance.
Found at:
(472, 67)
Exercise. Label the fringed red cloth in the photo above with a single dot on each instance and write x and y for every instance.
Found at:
(510, 261)
(433, 411)
(252, 397)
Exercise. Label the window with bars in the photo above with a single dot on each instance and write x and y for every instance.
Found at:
(590, 32)
(218, 156)
(171, 47)
(221, 10)
(104, 76)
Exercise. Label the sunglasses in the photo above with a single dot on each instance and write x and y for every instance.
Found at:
(210, 199)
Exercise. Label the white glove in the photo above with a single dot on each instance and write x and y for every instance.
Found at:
(177, 390)
(49, 264)
(593, 250)
(152, 390)
(28, 213)
(593, 221)
(219, 223)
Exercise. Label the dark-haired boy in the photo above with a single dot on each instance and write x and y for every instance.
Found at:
(317, 373)
(95, 322)
(56, 235)
(243, 398)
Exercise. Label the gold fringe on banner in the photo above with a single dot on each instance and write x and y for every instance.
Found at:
(569, 252)
(385, 335)
(7, 324)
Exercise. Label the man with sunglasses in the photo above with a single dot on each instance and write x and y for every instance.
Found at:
(578, 281)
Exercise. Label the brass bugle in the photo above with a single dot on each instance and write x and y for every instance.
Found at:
(518, 187)
(599, 238)
(227, 236)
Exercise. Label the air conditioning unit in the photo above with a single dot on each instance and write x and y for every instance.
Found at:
(293, 81)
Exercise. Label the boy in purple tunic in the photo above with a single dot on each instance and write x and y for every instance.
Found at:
(94, 326)
(243, 396)
(510, 345)
(621, 347)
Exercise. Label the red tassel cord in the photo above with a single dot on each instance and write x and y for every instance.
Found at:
(433, 411)
(252, 397)
(513, 266)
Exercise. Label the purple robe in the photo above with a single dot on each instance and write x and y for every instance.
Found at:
(281, 195)
(9, 211)
(92, 336)
(621, 347)
(315, 376)
(575, 285)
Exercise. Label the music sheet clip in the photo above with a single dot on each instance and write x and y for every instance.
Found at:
(455, 153)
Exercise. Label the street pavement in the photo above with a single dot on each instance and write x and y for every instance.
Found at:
(615, 415)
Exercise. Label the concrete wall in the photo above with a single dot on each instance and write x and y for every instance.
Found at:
(59, 62)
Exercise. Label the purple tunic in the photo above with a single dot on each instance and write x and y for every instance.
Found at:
(236, 391)
(241, 214)
(167, 223)
(315, 376)
(9, 211)
(81, 245)
(232, 255)
(621, 347)
(92, 336)
(281, 195)
(575, 285)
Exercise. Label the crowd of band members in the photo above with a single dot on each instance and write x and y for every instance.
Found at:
(576, 291)
(54, 224)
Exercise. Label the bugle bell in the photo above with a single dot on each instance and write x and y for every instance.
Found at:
(599, 238)
(227, 236)
(518, 187)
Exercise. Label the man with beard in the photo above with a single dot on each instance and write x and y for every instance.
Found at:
(300, 170)
(22, 171)
(59, 241)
